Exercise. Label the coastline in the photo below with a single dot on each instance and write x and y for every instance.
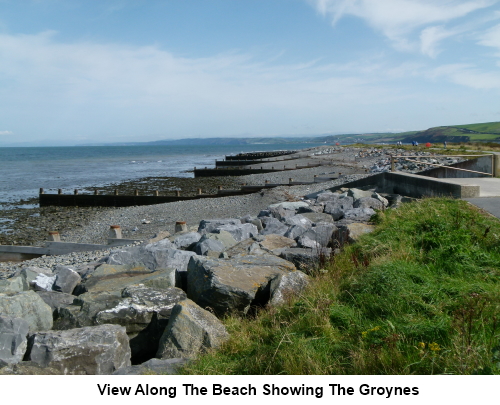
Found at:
(30, 226)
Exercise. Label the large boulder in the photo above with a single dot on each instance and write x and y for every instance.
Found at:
(274, 226)
(359, 214)
(210, 225)
(13, 285)
(317, 217)
(29, 306)
(233, 284)
(369, 202)
(327, 196)
(260, 245)
(117, 277)
(240, 231)
(56, 300)
(84, 351)
(66, 279)
(321, 234)
(185, 240)
(214, 242)
(155, 256)
(290, 205)
(357, 193)
(306, 259)
(341, 204)
(13, 342)
(287, 286)
(191, 330)
(298, 220)
(144, 312)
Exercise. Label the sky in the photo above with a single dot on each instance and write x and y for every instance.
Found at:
(94, 71)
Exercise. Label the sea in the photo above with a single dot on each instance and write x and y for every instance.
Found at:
(23, 171)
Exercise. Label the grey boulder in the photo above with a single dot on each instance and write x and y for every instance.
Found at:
(13, 342)
(29, 306)
(191, 330)
(233, 285)
(287, 286)
(96, 350)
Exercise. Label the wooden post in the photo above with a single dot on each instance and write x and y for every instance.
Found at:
(180, 226)
(116, 192)
(157, 193)
(392, 163)
(136, 192)
(42, 191)
(59, 191)
(290, 180)
(54, 236)
(96, 192)
(115, 232)
(177, 193)
(76, 191)
(199, 191)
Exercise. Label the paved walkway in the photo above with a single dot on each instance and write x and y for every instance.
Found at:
(489, 187)
(490, 204)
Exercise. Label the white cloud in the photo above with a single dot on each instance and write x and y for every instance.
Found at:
(467, 75)
(5, 133)
(397, 19)
(430, 38)
(491, 37)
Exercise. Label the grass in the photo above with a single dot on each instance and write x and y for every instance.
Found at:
(420, 295)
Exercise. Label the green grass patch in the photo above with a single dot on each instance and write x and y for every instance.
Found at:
(420, 295)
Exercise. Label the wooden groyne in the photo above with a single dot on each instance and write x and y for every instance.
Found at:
(245, 170)
(260, 155)
(115, 200)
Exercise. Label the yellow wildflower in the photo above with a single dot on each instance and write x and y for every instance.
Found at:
(434, 347)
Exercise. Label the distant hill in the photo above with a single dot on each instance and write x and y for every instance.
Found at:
(485, 132)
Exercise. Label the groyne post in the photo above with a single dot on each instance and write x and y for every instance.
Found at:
(115, 232)
(180, 226)
(54, 236)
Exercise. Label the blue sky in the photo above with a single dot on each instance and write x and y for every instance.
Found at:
(82, 71)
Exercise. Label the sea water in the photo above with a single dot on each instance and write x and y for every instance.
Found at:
(23, 171)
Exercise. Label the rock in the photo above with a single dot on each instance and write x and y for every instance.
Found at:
(13, 342)
(311, 208)
(305, 259)
(357, 193)
(144, 312)
(209, 225)
(29, 306)
(274, 226)
(154, 367)
(286, 286)
(280, 213)
(116, 278)
(186, 240)
(13, 285)
(260, 245)
(214, 242)
(66, 279)
(31, 273)
(191, 330)
(359, 214)
(289, 205)
(356, 229)
(321, 234)
(56, 300)
(383, 200)
(233, 284)
(369, 202)
(42, 282)
(96, 350)
(159, 255)
(317, 217)
(343, 204)
(240, 232)
(82, 312)
(248, 219)
(306, 241)
(327, 196)
(299, 220)
(295, 231)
